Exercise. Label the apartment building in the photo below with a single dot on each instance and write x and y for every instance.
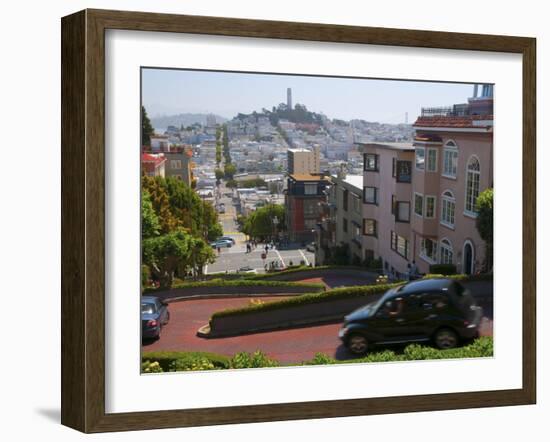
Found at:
(178, 164)
(342, 221)
(387, 189)
(304, 161)
(453, 165)
(425, 209)
(305, 197)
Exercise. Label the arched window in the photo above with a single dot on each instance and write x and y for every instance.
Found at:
(450, 159)
(446, 252)
(473, 172)
(448, 205)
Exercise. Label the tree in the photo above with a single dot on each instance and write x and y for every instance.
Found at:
(146, 128)
(201, 255)
(484, 224)
(229, 170)
(150, 225)
(259, 224)
(156, 188)
(164, 254)
(219, 174)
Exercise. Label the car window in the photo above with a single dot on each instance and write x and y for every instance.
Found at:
(435, 301)
(148, 308)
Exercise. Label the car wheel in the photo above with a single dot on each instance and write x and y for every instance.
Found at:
(445, 338)
(357, 344)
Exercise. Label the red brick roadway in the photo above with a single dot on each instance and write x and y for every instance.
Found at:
(287, 346)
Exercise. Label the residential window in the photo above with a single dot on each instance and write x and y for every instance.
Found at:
(356, 203)
(450, 159)
(432, 160)
(175, 164)
(419, 204)
(429, 212)
(345, 196)
(310, 189)
(370, 195)
(310, 208)
(472, 185)
(446, 252)
(448, 209)
(403, 212)
(370, 162)
(393, 204)
(420, 158)
(403, 172)
(370, 227)
(345, 225)
(310, 224)
(428, 250)
(394, 167)
(399, 244)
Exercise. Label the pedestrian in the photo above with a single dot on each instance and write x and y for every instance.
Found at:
(266, 249)
(219, 250)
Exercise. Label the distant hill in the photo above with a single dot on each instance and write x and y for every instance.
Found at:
(185, 119)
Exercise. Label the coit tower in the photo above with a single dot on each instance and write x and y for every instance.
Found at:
(289, 98)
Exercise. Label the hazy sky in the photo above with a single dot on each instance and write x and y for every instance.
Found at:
(167, 92)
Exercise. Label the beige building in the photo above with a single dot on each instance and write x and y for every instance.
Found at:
(178, 164)
(304, 161)
(345, 216)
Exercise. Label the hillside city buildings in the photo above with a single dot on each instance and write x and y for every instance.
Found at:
(380, 195)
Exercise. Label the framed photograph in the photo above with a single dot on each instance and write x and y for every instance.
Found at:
(266, 221)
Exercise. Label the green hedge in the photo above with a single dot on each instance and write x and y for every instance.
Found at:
(337, 293)
(157, 362)
(443, 269)
(309, 298)
(241, 283)
(166, 358)
(480, 348)
(304, 269)
(467, 278)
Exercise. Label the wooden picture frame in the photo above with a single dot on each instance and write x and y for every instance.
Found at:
(83, 219)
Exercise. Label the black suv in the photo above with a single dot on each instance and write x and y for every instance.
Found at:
(438, 310)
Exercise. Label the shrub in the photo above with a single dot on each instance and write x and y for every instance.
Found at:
(151, 367)
(309, 298)
(192, 362)
(165, 358)
(243, 282)
(145, 276)
(321, 359)
(252, 360)
(443, 269)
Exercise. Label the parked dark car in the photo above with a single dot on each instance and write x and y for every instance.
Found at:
(437, 310)
(154, 316)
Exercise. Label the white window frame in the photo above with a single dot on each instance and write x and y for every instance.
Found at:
(421, 215)
(427, 160)
(467, 212)
(450, 148)
(434, 212)
(426, 257)
(416, 150)
(446, 246)
(446, 199)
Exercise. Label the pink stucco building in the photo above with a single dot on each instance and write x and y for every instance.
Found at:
(419, 200)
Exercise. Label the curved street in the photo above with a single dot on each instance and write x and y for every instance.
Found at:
(287, 346)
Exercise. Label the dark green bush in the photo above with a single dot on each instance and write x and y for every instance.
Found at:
(156, 362)
(243, 282)
(443, 269)
(309, 298)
